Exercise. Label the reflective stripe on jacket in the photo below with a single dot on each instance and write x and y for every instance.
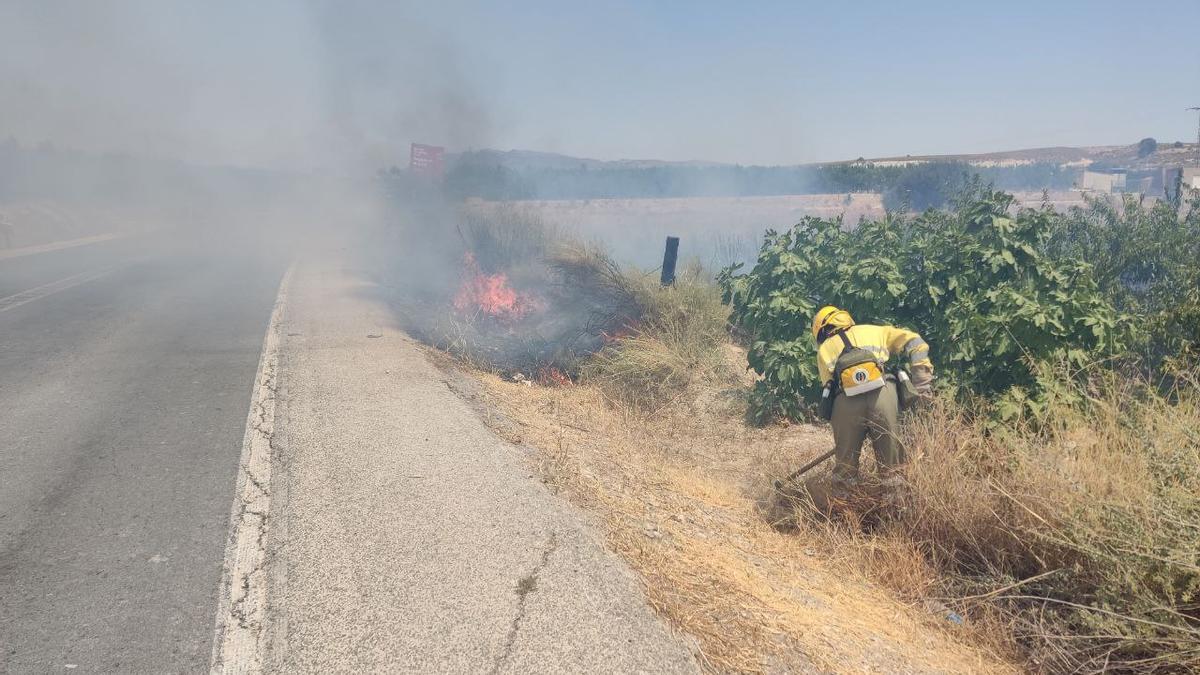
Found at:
(882, 340)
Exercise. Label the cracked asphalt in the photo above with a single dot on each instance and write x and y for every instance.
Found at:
(406, 537)
(123, 405)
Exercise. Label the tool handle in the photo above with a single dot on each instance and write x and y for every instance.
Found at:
(798, 472)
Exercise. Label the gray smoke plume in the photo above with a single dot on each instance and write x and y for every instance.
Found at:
(284, 85)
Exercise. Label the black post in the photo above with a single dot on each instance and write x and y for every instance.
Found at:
(669, 258)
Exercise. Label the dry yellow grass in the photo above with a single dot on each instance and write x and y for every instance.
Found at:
(679, 497)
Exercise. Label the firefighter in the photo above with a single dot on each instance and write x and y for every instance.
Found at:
(861, 397)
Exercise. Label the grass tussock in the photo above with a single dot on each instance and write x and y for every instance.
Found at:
(508, 236)
(658, 342)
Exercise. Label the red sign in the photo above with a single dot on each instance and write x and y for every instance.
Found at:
(426, 159)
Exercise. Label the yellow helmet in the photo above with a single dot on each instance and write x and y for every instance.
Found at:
(830, 316)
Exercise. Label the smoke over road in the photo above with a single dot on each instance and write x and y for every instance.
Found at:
(281, 85)
(233, 125)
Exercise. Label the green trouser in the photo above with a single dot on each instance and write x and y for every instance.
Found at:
(856, 418)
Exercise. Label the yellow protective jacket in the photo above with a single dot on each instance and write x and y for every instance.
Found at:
(883, 340)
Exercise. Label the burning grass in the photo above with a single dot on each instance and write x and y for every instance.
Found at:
(575, 312)
(490, 295)
(506, 311)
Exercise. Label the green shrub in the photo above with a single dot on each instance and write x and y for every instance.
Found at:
(1144, 259)
(976, 282)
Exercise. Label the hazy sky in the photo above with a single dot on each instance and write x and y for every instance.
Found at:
(312, 83)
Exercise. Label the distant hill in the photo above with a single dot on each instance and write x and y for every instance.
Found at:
(1167, 154)
(1126, 156)
(522, 160)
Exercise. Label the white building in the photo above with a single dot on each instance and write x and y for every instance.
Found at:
(1191, 178)
(1103, 181)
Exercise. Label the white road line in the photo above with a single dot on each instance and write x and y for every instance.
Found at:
(60, 245)
(237, 643)
(17, 299)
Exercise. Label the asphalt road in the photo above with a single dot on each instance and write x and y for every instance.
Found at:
(123, 401)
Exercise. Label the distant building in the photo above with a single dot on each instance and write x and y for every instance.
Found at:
(1107, 182)
(1185, 178)
(1191, 178)
(1151, 181)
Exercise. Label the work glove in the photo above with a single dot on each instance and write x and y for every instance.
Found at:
(922, 379)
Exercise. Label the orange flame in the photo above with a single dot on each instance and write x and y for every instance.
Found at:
(490, 294)
(549, 376)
